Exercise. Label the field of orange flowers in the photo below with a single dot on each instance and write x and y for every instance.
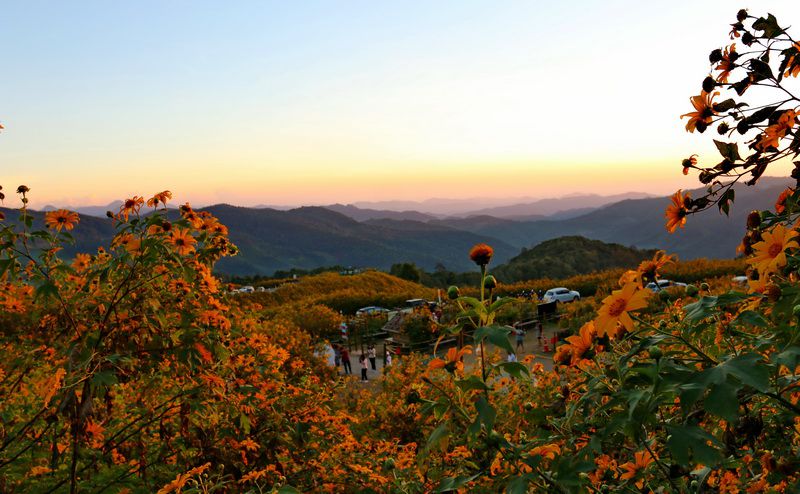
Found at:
(132, 370)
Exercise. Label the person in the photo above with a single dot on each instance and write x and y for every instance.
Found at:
(512, 357)
(540, 327)
(371, 353)
(346, 361)
(387, 361)
(520, 339)
(363, 361)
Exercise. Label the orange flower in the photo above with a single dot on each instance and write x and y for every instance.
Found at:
(182, 240)
(481, 254)
(726, 65)
(641, 459)
(81, 261)
(616, 307)
(160, 198)
(130, 206)
(180, 481)
(770, 253)
(649, 269)
(580, 343)
(676, 212)
(549, 451)
(61, 218)
(453, 360)
(777, 131)
(127, 240)
(780, 204)
(704, 112)
(793, 64)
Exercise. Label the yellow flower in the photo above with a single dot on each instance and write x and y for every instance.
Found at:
(770, 253)
(616, 307)
(61, 219)
(704, 112)
(676, 212)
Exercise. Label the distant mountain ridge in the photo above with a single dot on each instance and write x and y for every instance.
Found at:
(312, 237)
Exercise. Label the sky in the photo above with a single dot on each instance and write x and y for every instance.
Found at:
(316, 102)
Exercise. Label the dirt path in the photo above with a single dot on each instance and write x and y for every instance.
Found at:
(531, 346)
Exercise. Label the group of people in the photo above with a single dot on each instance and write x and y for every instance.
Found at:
(342, 357)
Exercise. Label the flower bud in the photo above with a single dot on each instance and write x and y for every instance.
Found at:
(753, 220)
(773, 292)
(23, 189)
(748, 39)
(715, 56)
(453, 293)
(704, 287)
(741, 15)
(490, 283)
(709, 84)
(723, 128)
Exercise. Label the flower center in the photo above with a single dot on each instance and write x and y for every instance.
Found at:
(775, 249)
(617, 307)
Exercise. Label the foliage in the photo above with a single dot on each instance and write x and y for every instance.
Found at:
(568, 256)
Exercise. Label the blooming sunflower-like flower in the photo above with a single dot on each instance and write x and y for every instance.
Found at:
(770, 254)
(793, 63)
(182, 240)
(676, 212)
(61, 218)
(777, 131)
(726, 65)
(580, 343)
(649, 269)
(704, 112)
(481, 254)
(780, 204)
(616, 307)
(130, 206)
(641, 460)
(452, 361)
(160, 198)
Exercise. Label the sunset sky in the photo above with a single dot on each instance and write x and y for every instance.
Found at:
(319, 102)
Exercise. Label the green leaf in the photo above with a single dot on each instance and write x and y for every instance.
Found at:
(514, 369)
(497, 335)
(518, 485)
(729, 150)
(4, 265)
(687, 443)
(486, 413)
(749, 370)
(701, 309)
(472, 382)
(46, 290)
(288, 489)
(438, 437)
(452, 483)
(722, 401)
(751, 318)
(760, 69)
(769, 26)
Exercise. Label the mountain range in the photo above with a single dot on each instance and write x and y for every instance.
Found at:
(309, 237)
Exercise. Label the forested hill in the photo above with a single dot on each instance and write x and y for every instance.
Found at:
(569, 256)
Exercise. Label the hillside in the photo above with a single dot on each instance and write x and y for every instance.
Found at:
(640, 223)
(364, 214)
(568, 256)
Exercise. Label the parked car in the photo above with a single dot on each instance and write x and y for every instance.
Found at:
(560, 294)
(371, 311)
(739, 280)
(246, 289)
(663, 285)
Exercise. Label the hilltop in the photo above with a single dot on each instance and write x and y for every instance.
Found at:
(569, 256)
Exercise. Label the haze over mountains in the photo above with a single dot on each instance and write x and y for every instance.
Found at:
(310, 237)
